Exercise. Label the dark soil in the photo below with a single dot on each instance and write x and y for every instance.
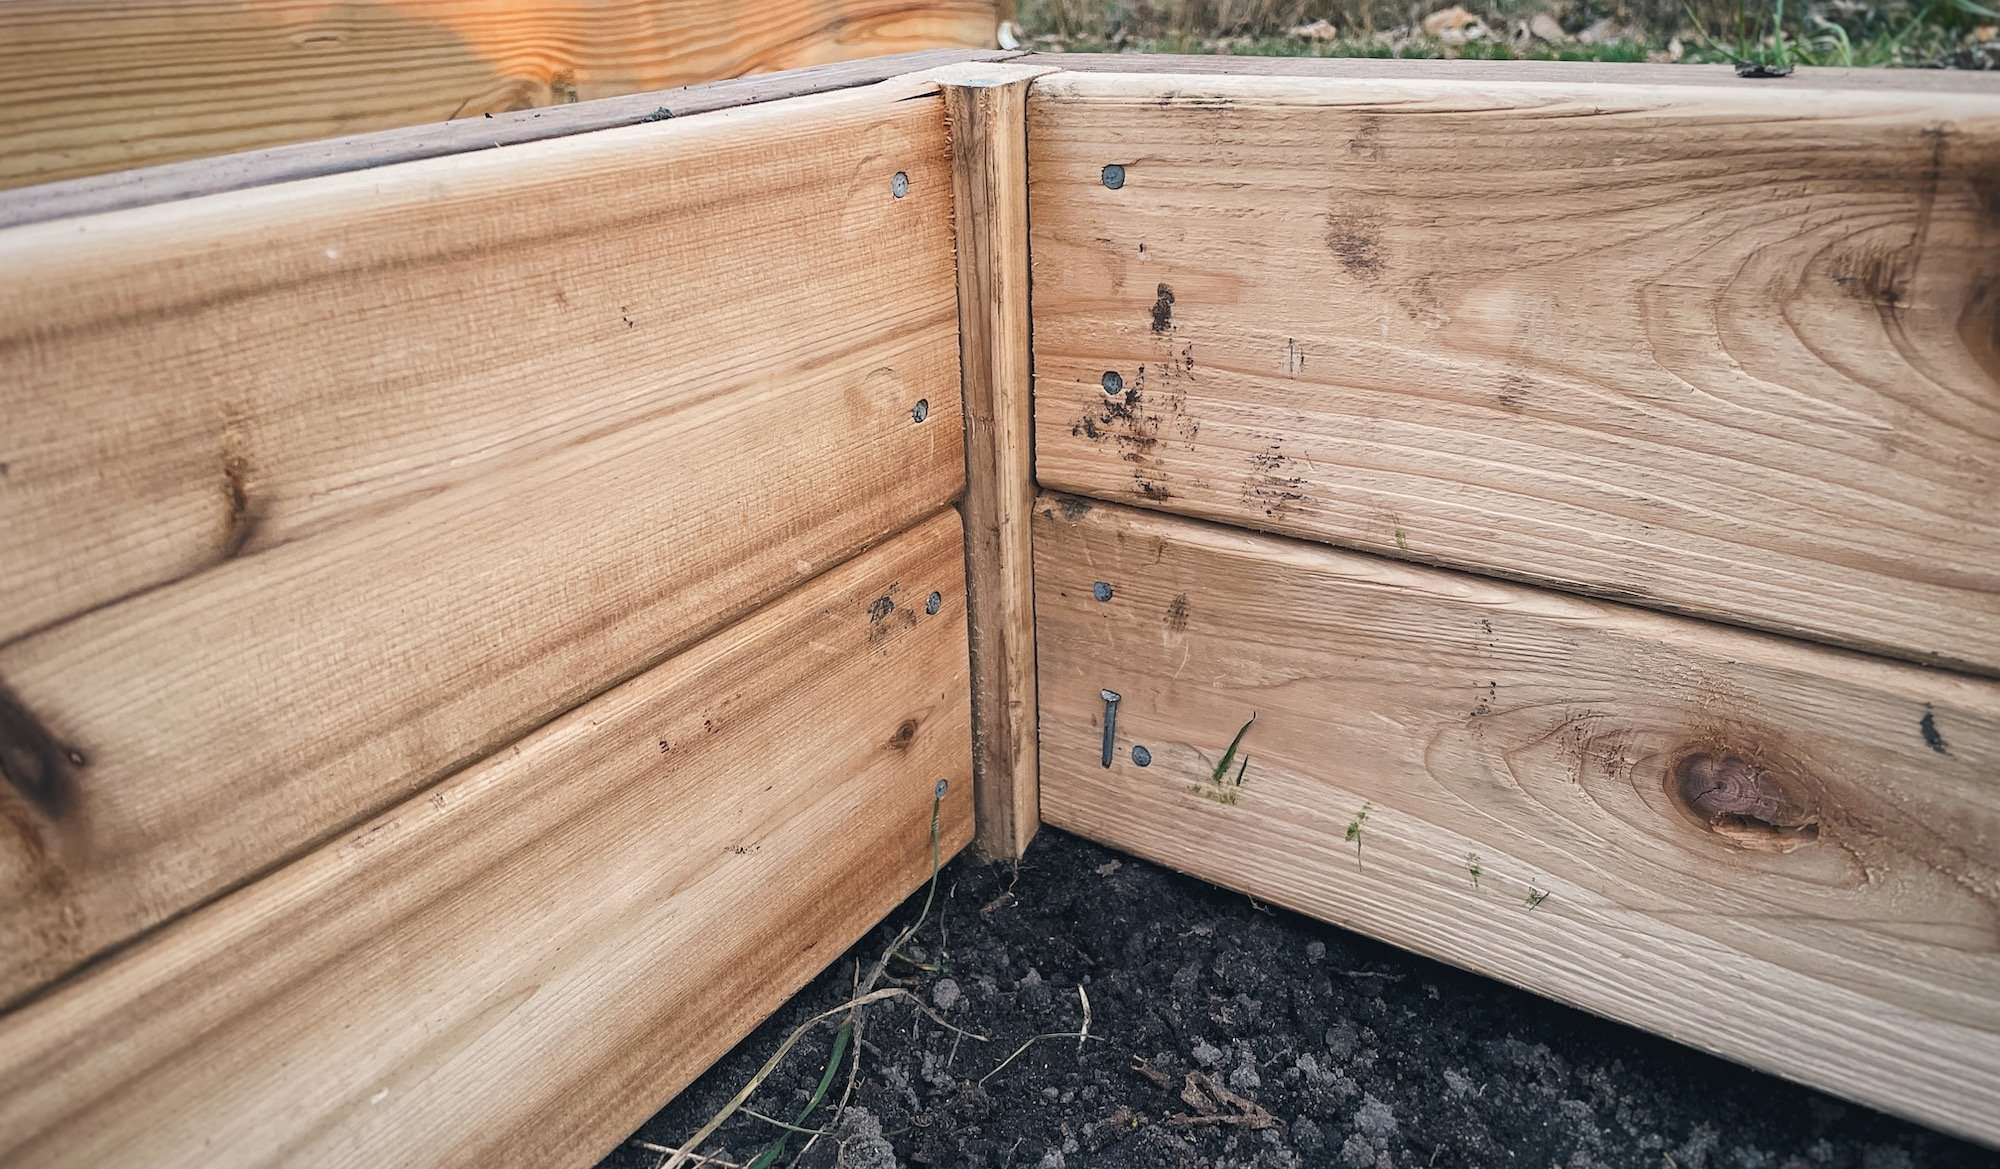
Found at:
(1361, 1056)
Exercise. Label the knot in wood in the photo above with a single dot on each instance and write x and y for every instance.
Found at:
(1746, 801)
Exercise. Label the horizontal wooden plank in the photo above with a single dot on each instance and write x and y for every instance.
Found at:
(100, 85)
(1780, 852)
(166, 182)
(1487, 72)
(1716, 350)
(331, 348)
(370, 474)
(519, 965)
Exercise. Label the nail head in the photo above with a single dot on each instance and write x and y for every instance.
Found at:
(921, 410)
(933, 603)
(1114, 176)
(1141, 757)
(900, 185)
(1101, 590)
(1112, 381)
(943, 785)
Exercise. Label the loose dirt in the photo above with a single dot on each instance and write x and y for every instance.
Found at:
(1228, 1033)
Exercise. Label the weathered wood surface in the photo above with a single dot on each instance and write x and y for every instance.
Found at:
(518, 966)
(315, 493)
(1571, 72)
(101, 85)
(1727, 351)
(1780, 852)
(166, 182)
(986, 108)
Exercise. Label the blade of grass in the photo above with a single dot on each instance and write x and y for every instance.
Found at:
(743, 1094)
(1229, 756)
(665, 1151)
(774, 1122)
(776, 1149)
(1700, 28)
(855, 1019)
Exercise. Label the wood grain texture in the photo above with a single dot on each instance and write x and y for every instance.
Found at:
(985, 105)
(167, 182)
(1716, 350)
(1779, 852)
(519, 965)
(102, 85)
(1487, 72)
(359, 478)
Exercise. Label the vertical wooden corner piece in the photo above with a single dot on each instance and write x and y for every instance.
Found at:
(986, 106)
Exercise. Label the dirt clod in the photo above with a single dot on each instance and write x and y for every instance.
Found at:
(862, 1144)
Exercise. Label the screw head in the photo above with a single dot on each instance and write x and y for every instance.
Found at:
(1101, 590)
(899, 186)
(1141, 757)
(933, 603)
(1114, 176)
(1112, 381)
(921, 410)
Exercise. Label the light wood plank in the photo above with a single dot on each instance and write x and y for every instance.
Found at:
(370, 474)
(1779, 852)
(1725, 351)
(985, 105)
(1568, 72)
(519, 965)
(166, 182)
(187, 382)
(102, 85)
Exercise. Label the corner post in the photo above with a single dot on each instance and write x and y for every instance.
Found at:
(987, 108)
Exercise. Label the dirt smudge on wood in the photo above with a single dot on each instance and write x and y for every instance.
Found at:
(1356, 241)
(1933, 738)
(1133, 425)
(239, 513)
(1366, 141)
(1272, 487)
